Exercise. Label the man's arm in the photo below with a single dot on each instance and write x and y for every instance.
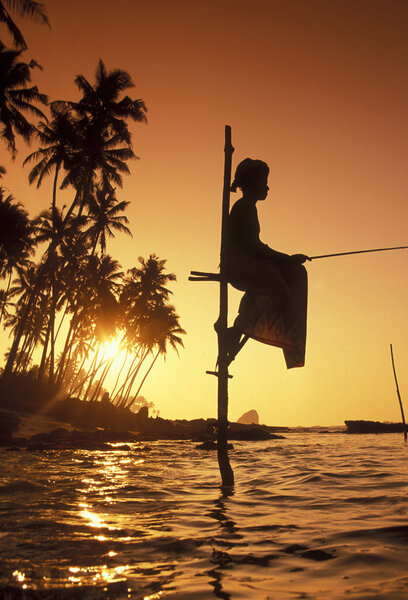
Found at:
(280, 257)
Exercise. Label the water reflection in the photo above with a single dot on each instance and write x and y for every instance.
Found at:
(119, 507)
(159, 528)
(229, 532)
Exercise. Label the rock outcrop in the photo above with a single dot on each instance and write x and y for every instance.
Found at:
(249, 418)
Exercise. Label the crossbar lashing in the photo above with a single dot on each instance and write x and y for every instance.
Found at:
(216, 374)
(204, 276)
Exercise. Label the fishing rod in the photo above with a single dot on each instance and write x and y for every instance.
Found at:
(358, 252)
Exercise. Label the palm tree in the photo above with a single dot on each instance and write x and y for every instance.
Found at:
(16, 98)
(16, 243)
(101, 103)
(103, 281)
(145, 285)
(31, 8)
(94, 307)
(16, 234)
(146, 314)
(161, 329)
(21, 291)
(59, 139)
(104, 214)
(62, 256)
(5, 302)
(106, 140)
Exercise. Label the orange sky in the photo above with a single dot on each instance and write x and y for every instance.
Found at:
(317, 89)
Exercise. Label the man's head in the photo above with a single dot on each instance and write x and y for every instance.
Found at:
(251, 176)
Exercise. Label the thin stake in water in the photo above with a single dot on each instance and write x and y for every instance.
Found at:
(398, 394)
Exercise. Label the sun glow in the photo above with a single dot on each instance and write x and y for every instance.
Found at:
(111, 348)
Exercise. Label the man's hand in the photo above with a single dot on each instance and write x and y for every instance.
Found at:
(300, 258)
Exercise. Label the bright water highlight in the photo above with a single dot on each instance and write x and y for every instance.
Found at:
(311, 516)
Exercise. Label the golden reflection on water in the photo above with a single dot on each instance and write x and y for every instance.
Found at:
(98, 574)
(20, 576)
(94, 519)
(110, 474)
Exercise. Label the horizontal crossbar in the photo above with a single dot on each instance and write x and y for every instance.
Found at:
(216, 278)
(204, 276)
(216, 373)
(204, 273)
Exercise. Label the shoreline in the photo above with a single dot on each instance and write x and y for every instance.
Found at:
(72, 423)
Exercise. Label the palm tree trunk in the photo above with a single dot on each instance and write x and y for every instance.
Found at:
(3, 308)
(8, 369)
(82, 382)
(93, 371)
(54, 194)
(28, 354)
(20, 358)
(71, 208)
(94, 246)
(143, 380)
(61, 369)
(119, 374)
(53, 282)
(132, 369)
(68, 362)
(124, 383)
(52, 338)
(44, 353)
(61, 322)
(101, 380)
(132, 380)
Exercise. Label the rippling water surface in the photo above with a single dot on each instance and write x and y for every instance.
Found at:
(311, 516)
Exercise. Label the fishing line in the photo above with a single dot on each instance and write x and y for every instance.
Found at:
(357, 252)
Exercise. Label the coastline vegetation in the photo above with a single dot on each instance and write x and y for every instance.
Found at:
(68, 307)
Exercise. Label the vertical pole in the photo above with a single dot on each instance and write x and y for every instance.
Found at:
(398, 394)
(227, 475)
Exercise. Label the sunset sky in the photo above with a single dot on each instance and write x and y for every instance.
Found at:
(319, 90)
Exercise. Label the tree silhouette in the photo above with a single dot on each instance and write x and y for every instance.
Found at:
(16, 98)
(24, 8)
(16, 234)
(16, 242)
(105, 138)
(104, 216)
(162, 329)
(84, 146)
(90, 140)
(147, 316)
(59, 139)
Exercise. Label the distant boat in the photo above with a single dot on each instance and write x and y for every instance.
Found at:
(373, 427)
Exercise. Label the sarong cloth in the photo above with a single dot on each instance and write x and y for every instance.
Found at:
(273, 309)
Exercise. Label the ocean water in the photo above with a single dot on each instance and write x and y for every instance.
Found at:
(311, 516)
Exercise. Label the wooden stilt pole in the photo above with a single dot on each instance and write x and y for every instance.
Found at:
(227, 475)
(398, 394)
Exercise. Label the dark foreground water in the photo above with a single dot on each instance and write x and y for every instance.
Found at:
(312, 516)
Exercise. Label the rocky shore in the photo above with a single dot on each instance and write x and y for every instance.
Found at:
(71, 424)
(373, 427)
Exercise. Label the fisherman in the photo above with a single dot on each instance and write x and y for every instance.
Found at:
(255, 268)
